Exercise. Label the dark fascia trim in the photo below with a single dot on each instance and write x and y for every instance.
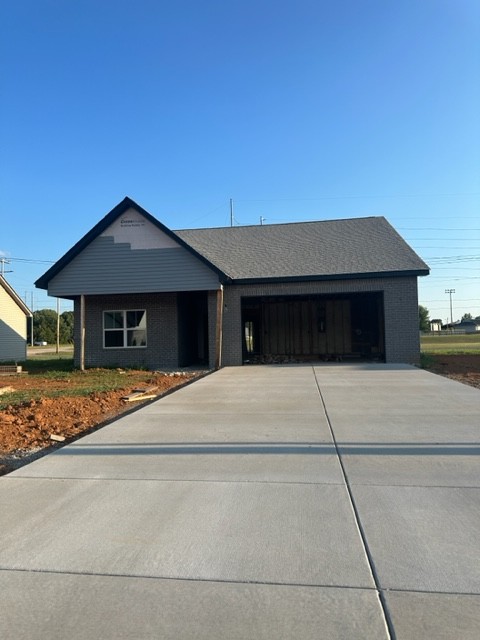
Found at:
(339, 276)
(124, 205)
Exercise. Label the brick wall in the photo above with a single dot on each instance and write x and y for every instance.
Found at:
(402, 334)
(162, 331)
(212, 323)
(402, 341)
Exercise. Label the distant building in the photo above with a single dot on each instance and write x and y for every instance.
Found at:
(436, 325)
(464, 326)
(13, 324)
(469, 326)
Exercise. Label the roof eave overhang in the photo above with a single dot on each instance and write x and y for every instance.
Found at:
(334, 276)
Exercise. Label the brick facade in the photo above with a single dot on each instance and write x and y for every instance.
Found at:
(402, 341)
(402, 338)
(162, 331)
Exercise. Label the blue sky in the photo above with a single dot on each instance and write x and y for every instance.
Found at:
(304, 110)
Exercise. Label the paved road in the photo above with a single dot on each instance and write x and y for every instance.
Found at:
(338, 501)
(33, 352)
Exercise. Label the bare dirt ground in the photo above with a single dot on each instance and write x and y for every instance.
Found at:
(463, 368)
(26, 429)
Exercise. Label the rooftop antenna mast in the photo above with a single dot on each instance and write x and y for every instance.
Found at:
(231, 212)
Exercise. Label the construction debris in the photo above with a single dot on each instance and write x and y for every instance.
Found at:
(56, 438)
(4, 390)
(141, 394)
(26, 426)
(10, 369)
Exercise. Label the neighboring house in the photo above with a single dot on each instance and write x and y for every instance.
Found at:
(13, 324)
(148, 296)
(436, 325)
(464, 326)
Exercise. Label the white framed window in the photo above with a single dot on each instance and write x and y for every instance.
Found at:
(125, 329)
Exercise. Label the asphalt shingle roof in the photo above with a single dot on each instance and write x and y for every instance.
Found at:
(354, 247)
(328, 248)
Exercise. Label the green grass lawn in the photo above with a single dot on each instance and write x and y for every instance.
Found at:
(41, 374)
(451, 344)
(48, 362)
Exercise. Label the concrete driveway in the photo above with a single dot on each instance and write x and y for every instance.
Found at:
(331, 501)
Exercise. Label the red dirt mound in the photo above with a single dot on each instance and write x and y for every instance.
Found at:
(27, 428)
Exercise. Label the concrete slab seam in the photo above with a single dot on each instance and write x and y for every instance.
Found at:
(433, 593)
(135, 576)
(383, 605)
(175, 480)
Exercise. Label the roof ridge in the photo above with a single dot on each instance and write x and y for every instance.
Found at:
(281, 224)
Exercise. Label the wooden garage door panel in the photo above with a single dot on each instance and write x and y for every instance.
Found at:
(306, 327)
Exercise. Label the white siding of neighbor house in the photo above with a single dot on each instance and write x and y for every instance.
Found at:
(13, 329)
(133, 256)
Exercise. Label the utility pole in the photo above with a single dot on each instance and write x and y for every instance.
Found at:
(57, 350)
(231, 212)
(31, 309)
(450, 291)
(3, 262)
(262, 220)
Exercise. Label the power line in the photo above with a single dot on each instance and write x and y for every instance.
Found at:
(461, 256)
(33, 260)
(3, 262)
(457, 299)
(366, 197)
(437, 229)
(456, 278)
(451, 248)
(437, 268)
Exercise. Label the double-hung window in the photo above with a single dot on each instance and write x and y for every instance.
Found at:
(125, 329)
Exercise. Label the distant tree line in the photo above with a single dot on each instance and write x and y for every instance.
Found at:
(45, 326)
(423, 318)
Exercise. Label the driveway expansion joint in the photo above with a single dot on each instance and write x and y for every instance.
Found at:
(139, 576)
(368, 555)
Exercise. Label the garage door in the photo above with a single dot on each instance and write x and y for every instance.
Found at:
(313, 326)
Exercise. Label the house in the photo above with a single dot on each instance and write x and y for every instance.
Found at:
(436, 324)
(147, 296)
(13, 324)
(463, 326)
